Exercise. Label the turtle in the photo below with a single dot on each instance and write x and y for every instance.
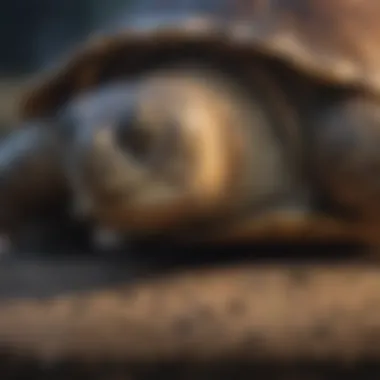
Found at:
(213, 121)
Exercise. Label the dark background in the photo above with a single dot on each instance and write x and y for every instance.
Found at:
(36, 32)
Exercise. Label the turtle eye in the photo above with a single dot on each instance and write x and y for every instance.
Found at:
(134, 139)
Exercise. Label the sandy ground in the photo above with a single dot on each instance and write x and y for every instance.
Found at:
(279, 322)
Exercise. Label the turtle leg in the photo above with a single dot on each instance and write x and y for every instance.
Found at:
(347, 160)
(345, 166)
(31, 176)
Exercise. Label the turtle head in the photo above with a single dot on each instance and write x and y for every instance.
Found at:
(172, 149)
(152, 155)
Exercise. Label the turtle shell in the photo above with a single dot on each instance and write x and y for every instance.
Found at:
(332, 40)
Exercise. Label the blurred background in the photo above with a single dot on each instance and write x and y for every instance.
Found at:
(36, 32)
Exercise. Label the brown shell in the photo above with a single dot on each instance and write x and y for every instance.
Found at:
(334, 40)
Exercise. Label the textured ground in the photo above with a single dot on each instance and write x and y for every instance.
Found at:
(91, 317)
